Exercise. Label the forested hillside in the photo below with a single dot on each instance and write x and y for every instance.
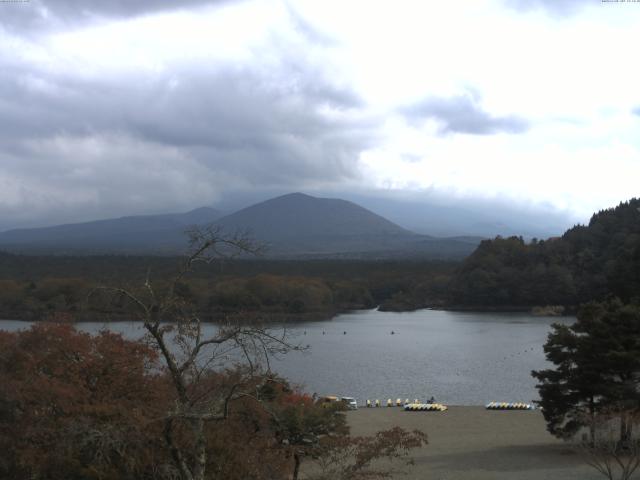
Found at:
(586, 263)
(45, 287)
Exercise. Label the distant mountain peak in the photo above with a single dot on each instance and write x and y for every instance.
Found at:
(298, 223)
(291, 197)
(295, 195)
(290, 225)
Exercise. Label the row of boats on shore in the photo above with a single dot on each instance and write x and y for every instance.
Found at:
(398, 402)
(431, 405)
(416, 406)
(510, 406)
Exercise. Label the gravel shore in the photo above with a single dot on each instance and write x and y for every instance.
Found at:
(468, 443)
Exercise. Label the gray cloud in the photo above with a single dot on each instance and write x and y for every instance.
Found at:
(74, 148)
(462, 114)
(229, 112)
(554, 7)
(38, 15)
(438, 213)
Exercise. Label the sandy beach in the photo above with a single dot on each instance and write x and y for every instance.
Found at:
(468, 443)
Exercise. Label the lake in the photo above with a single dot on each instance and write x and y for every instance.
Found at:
(460, 358)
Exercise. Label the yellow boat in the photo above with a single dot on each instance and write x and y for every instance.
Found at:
(425, 407)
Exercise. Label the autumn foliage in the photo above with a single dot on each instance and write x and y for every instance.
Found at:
(80, 406)
(77, 406)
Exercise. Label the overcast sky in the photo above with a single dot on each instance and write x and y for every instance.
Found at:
(121, 107)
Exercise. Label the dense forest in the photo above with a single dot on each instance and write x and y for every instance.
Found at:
(46, 287)
(586, 263)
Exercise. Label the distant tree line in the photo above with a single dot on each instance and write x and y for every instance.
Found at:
(49, 287)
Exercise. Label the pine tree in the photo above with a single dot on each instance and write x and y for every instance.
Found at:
(597, 369)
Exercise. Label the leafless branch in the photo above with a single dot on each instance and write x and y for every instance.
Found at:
(175, 329)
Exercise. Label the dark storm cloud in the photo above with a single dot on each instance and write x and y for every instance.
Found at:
(51, 14)
(462, 114)
(79, 144)
(554, 7)
(232, 119)
(149, 141)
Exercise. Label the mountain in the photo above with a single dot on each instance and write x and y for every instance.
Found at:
(291, 226)
(300, 215)
(429, 213)
(297, 224)
(152, 233)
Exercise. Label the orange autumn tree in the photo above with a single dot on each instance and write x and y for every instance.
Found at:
(74, 405)
(316, 433)
(87, 407)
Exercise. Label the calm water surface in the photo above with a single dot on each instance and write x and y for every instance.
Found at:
(461, 358)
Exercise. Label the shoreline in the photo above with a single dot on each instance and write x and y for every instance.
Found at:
(473, 443)
(290, 318)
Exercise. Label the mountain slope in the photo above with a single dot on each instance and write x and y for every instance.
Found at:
(152, 232)
(293, 225)
(297, 214)
(298, 224)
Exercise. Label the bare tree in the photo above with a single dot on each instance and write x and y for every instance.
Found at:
(191, 351)
(604, 451)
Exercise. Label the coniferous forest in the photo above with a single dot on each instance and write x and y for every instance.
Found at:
(587, 263)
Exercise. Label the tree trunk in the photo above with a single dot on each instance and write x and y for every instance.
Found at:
(296, 468)
(200, 450)
(625, 431)
(176, 454)
(592, 423)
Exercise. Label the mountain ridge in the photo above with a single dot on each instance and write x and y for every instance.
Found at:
(139, 228)
(290, 225)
